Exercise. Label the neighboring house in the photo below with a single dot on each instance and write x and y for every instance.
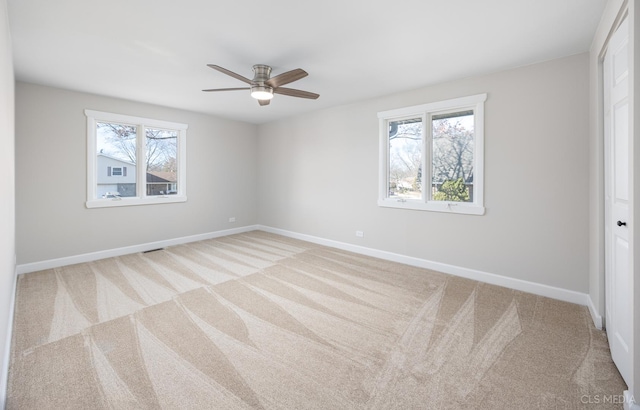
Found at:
(115, 177)
(118, 177)
(161, 183)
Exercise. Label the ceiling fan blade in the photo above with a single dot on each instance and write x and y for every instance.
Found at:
(227, 89)
(264, 102)
(231, 73)
(296, 93)
(286, 78)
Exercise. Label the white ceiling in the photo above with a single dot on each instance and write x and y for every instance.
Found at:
(156, 51)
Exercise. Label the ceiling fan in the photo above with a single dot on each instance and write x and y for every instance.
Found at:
(262, 87)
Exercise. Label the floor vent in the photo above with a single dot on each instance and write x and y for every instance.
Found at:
(153, 250)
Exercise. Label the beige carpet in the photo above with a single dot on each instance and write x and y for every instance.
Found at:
(262, 321)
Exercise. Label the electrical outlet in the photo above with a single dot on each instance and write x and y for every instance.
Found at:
(232, 219)
(360, 234)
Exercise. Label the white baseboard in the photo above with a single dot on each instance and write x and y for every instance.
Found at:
(93, 256)
(512, 283)
(491, 278)
(598, 321)
(6, 355)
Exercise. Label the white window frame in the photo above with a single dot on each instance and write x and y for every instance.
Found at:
(426, 111)
(93, 117)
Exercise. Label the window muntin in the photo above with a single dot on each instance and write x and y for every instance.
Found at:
(116, 144)
(431, 156)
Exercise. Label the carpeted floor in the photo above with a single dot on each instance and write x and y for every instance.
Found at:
(257, 320)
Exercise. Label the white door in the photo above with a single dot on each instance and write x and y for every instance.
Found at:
(617, 248)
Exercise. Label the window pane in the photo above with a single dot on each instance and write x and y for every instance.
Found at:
(116, 151)
(453, 156)
(405, 159)
(162, 161)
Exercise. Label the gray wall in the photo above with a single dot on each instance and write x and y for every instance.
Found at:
(318, 175)
(7, 195)
(52, 220)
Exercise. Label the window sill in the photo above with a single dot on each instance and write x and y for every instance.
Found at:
(433, 206)
(132, 201)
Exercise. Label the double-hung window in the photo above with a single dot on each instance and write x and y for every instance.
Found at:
(134, 160)
(432, 156)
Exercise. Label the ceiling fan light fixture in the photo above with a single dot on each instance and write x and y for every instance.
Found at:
(262, 92)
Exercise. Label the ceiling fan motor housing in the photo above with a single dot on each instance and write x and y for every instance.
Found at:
(259, 89)
(261, 73)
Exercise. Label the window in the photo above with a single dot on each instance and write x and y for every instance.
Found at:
(431, 156)
(125, 153)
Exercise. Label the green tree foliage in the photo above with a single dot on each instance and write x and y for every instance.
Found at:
(452, 190)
